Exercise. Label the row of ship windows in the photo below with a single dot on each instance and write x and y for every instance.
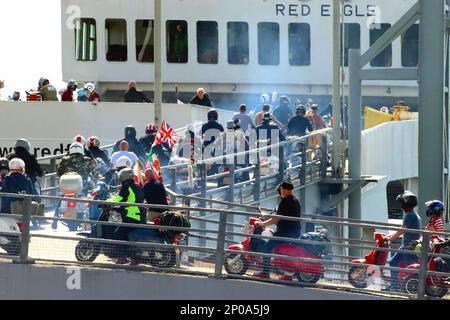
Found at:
(299, 39)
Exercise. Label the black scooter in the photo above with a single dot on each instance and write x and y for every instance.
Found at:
(88, 251)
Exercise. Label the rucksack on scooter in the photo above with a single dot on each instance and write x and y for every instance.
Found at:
(174, 219)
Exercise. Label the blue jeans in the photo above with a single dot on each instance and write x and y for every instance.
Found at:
(396, 260)
(267, 248)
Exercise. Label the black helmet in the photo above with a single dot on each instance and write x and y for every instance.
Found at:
(434, 206)
(130, 132)
(407, 199)
(126, 174)
(23, 143)
(213, 115)
(300, 108)
(4, 164)
(267, 117)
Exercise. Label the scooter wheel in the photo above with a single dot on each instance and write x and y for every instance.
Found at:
(163, 258)
(86, 251)
(357, 276)
(235, 266)
(436, 291)
(308, 277)
(411, 285)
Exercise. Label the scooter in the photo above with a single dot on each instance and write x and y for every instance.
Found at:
(306, 272)
(436, 285)
(87, 251)
(71, 186)
(358, 275)
(10, 235)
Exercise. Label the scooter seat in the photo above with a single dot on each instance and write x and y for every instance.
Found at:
(145, 235)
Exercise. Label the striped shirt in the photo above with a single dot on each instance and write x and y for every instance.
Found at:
(437, 223)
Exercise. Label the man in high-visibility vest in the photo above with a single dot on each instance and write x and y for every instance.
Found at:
(130, 192)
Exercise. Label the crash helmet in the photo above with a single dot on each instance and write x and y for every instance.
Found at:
(4, 164)
(384, 109)
(407, 199)
(72, 84)
(23, 143)
(300, 108)
(16, 164)
(90, 87)
(126, 174)
(123, 161)
(150, 128)
(267, 117)
(42, 82)
(76, 147)
(284, 100)
(230, 124)
(130, 132)
(80, 139)
(94, 142)
(213, 115)
(434, 206)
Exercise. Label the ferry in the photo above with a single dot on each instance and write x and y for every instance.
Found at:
(236, 50)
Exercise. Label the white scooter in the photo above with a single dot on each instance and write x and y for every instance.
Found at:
(10, 234)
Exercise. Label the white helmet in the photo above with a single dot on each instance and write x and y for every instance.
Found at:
(80, 139)
(76, 147)
(89, 87)
(16, 164)
(123, 161)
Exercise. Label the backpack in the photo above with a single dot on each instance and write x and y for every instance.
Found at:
(174, 219)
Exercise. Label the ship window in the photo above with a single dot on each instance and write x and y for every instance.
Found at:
(116, 40)
(145, 37)
(351, 39)
(268, 43)
(238, 48)
(410, 47)
(299, 44)
(85, 39)
(207, 42)
(177, 41)
(384, 59)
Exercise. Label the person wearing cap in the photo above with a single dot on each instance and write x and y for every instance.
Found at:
(15, 182)
(245, 121)
(133, 95)
(315, 118)
(93, 96)
(289, 206)
(22, 150)
(4, 170)
(299, 124)
(147, 140)
(47, 91)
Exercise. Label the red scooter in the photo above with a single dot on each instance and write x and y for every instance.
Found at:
(306, 272)
(436, 285)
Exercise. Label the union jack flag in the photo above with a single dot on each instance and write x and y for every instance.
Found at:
(166, 134)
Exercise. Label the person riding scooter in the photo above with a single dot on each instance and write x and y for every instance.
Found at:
(289, 206)
(411, 220)
(131, 193)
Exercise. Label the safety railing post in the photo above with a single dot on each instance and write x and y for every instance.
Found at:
(204, 183)
(53, 179)
(173, 182)
(25, 235)
(257, 190)
(220, 253)
(324, 155)
(281, 165)
(423, 265)
(231, 176)
(303, 155)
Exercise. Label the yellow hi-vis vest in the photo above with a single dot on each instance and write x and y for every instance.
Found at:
(133, 212)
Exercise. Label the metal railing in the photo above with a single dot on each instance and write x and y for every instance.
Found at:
(335, 271)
